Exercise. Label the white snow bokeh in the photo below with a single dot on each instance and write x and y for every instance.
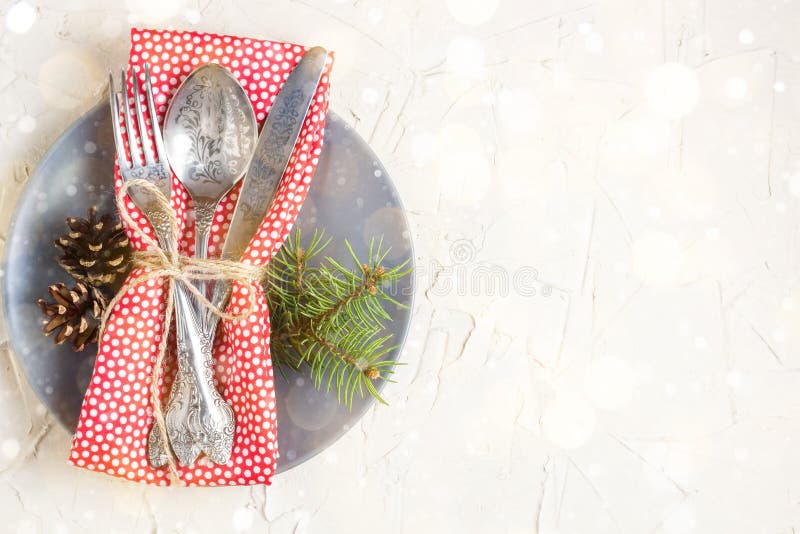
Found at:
(20, 17)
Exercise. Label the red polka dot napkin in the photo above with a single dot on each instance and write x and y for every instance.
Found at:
(117, 410)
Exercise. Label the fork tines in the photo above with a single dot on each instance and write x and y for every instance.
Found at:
(130, 153)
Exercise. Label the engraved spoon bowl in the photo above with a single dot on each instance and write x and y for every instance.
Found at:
(210, 133)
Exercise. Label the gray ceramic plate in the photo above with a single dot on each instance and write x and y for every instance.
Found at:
(351, 198)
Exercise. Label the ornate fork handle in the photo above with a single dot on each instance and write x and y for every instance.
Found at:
(184, 392)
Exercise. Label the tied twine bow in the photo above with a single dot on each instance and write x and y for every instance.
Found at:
(168, 264)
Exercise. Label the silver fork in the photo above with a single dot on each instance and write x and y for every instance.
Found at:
(198, 419)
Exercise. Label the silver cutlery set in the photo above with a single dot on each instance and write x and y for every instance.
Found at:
(211, 143)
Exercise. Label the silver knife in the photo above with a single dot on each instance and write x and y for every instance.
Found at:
(273, 150)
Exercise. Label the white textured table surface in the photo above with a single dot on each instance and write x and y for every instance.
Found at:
(604, 200)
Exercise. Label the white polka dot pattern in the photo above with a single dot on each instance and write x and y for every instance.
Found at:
(117, 410)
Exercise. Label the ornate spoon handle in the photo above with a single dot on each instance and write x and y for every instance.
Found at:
(209, 419)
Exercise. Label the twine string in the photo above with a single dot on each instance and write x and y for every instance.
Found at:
(163, 261)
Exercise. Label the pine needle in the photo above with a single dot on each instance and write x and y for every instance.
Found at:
(331, 319)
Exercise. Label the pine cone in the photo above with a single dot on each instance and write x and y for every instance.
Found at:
(96, 249)
(75, 313)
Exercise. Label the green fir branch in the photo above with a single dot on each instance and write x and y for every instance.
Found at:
(330, 318)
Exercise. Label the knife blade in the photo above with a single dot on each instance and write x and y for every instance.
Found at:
(273, 150)
(270, 159)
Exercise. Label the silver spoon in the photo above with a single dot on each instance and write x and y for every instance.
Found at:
(210, 133)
